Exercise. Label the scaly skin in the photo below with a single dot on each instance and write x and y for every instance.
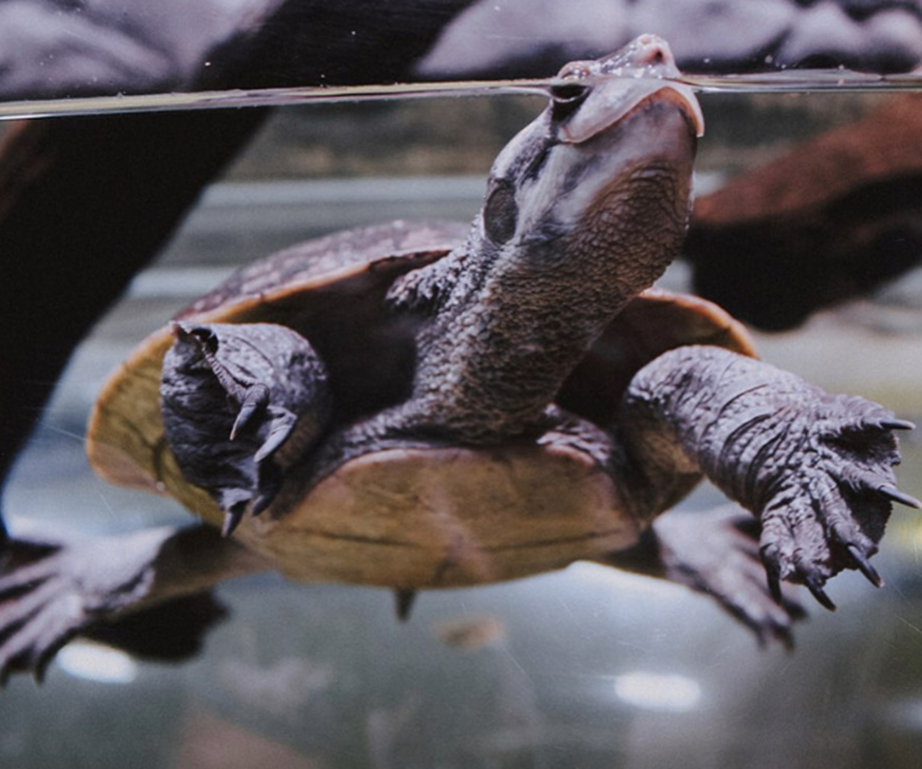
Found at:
(488, 367)
(515, 309)
(816, 468)
(237, 400)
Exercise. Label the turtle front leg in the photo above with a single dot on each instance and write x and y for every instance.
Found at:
(240, 402)
(816, 468)
(53, 589)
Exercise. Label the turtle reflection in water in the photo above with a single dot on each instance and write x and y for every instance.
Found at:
(420, 406)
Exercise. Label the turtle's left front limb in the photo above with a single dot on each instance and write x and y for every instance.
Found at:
(816, 468)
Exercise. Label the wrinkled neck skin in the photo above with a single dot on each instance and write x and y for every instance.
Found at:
(595, 224)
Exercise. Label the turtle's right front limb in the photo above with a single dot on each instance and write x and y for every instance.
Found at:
(51, 590)
(816, 468)
(240, 403)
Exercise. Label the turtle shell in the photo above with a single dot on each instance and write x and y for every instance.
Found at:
(389, 518)
(330, 289)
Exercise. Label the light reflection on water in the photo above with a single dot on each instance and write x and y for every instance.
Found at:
(838, 80)
(667, 692)
(95, 662)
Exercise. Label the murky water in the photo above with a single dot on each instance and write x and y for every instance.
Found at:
(584, 668)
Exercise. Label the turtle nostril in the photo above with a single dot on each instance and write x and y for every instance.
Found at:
(656, 55)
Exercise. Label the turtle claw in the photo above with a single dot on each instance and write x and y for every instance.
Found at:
(897, 424)
(38, 674)
(830, 497)
(232, 519)
(256, 398)
(279, 422)
(774, 584)
(236, 502)
(892, 493)
(281, 426)
(864, 566)
(815, 586)
(40, 663)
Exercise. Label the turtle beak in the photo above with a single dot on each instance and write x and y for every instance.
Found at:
(613, 99)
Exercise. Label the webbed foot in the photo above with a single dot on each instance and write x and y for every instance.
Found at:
(826, 491)
(815, 468)
(717, 553)
(49, 591)
(23, 648)
(54, 589)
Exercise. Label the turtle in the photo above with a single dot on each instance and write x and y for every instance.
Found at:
(427, 405)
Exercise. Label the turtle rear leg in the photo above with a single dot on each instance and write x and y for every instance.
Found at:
(54, 589)
(715, 553)
(240, 402)
(816, 468)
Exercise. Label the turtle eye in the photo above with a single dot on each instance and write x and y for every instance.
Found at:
(500, 212)
(566, 97)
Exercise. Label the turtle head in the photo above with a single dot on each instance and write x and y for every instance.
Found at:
(590, 96)
(601, 181)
